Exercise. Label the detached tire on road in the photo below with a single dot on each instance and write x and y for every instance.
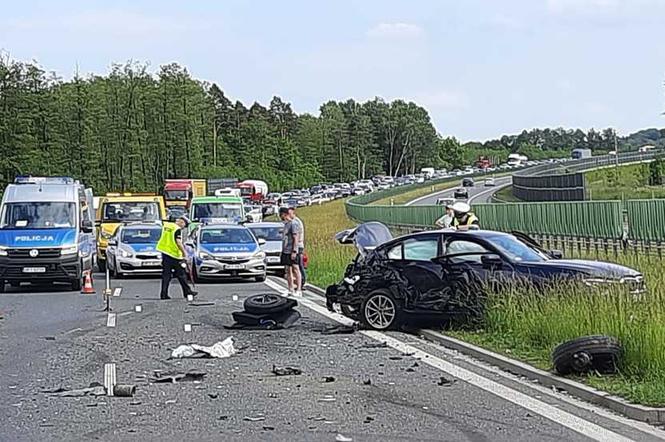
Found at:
(267, 303)
(600, 353)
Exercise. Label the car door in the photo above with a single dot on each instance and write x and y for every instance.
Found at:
(422, 283)
(472, 262)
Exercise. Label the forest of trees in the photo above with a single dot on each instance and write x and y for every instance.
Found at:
(130, 129)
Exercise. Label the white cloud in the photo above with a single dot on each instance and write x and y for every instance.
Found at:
(396, 30)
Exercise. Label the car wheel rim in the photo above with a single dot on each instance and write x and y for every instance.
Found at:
(380, 311)
(266, 299)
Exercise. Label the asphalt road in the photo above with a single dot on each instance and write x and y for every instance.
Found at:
(408, 389)
(477, 194)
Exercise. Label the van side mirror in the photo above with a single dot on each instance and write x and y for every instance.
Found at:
(87, 226)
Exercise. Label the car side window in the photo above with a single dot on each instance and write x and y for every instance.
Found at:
(395, 253)
(420, 249)
(457, 246)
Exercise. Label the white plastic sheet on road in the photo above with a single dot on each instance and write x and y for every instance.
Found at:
(221, 349)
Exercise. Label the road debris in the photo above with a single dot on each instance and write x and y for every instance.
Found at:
(254, 418)
(339, 330)
(95, 389)
(286, 371)
(374, 345)
(342, 438)
(264, 321)
(124, 390)
(213, 395)
(367, 382)
(221, 349)
(327, 379)
(445, 382)
(173, 377)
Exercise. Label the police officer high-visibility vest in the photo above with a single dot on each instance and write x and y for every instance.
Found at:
(470, 220)
(167, 244)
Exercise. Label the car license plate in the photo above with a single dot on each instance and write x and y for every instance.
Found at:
(273, 259)
(153, 263)
(34, 269)
(235, 266)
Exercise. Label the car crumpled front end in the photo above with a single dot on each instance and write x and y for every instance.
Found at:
(366, 271)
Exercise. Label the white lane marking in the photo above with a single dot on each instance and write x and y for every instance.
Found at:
(640, 426)
(494, 189)
(450, 189)
(550, 412)
(415, 201)
(637, 425)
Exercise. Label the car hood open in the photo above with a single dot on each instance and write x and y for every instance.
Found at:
(366, 236)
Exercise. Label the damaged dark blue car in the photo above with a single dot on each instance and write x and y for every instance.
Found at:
(443, 274)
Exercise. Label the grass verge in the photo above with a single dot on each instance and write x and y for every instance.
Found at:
(506, 195)
(527, 326)
(624, 182)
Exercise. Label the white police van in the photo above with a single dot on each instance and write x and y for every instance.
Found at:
(46, 231)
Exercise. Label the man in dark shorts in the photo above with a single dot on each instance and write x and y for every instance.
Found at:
(290, 258)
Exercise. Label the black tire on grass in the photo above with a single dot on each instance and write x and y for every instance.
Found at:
(600, 353)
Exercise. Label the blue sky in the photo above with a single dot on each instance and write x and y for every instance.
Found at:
(481, 67)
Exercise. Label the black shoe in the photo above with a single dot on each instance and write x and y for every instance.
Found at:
(165, 297)
(192, 293)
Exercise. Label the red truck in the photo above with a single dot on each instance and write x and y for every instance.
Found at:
(253, 190)
(179, 192)
(483, 162)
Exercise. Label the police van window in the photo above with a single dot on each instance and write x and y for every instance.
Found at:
(420, 249)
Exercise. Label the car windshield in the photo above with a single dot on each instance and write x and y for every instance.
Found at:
(131, 211)
(136, 235)
(217, 210)
(268, 233)
(516, 250)
(38, 215)
(226, 236)
(176, 195)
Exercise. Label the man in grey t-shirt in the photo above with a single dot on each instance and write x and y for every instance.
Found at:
(299, 227)
(290, 257)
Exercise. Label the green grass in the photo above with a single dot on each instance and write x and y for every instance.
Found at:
(506, 195)
(526, 325)
(624, 182)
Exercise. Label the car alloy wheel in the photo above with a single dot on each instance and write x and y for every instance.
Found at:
(380, 311)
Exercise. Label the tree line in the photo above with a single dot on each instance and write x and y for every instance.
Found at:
(130, 129)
